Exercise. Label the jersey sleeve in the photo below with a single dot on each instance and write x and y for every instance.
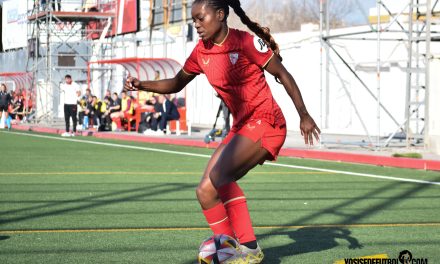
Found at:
(256, 50)
(192, 66)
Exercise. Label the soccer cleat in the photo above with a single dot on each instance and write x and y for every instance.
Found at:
(65, 134)
(235, 260)
(251, 256)
(247, 256)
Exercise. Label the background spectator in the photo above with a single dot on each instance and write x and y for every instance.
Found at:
(82, 105)
(89, 113)
(5, 101)
(18, 107)
(165, 111)
(105, 121)
(127, 110)
(69, 89)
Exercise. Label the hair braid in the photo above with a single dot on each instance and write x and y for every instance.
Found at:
(262, 32)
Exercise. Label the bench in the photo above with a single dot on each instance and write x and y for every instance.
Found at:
(178, 126)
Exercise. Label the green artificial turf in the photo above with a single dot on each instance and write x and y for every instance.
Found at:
(75, 202)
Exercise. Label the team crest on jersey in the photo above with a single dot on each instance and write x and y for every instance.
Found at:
(233, 57)
(260, 45)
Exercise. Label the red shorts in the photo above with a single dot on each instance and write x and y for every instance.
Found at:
(271, 138)
(127, 115)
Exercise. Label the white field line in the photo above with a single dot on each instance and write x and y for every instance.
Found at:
(208, 156)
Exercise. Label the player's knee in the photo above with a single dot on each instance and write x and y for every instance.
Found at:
(214, 175)
(200, 192)
(204, 193)
(218, 177)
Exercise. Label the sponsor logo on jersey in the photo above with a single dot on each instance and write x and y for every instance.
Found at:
(206, 62)
(260, 45)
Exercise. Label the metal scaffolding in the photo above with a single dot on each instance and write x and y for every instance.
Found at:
(63, 42)
(417, 33)
(164, 16)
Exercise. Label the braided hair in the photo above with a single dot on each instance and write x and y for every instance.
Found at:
(261, 32)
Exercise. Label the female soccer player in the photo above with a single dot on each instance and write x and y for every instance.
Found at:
(234, 63)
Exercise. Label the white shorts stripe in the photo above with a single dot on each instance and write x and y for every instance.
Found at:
(234, 199)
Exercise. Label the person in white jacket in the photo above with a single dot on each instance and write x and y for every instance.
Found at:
(69, 89)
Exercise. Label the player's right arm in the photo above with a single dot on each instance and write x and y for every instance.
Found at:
(165, 86)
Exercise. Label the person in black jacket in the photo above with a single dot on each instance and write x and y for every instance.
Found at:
(5, 101)
(165, 110)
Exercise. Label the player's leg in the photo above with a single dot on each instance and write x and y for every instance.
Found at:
(80, 118)
(162, 123)
(213, 208)
(154, 123)
(74, 115)
(1, 114)
(239, 156)
(8, 119)
(67, 117)
(116, 117)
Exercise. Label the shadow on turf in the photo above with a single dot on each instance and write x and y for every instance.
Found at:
(4, 237)
(315, 239)
(306, 240)
(89, 202)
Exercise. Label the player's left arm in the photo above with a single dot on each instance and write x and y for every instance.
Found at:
(308, 126)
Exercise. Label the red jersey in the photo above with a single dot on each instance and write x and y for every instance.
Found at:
(235, 68)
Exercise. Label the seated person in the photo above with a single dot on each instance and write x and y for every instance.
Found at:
(82, 105)
(113, 106)
(108, 94)
(127, 110)
(105, 120)
(89, 112)
(29, 111)
(17, 111)
(165, 110)
(100, 108)
(145, 98)
(146, 117)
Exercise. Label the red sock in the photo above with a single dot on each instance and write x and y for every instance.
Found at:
(235, 204)
(218, 220)
(117, 120)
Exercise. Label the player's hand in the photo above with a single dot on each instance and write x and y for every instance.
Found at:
(309, 129)
(132, 84)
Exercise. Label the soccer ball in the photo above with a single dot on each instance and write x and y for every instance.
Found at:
(218, 248)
